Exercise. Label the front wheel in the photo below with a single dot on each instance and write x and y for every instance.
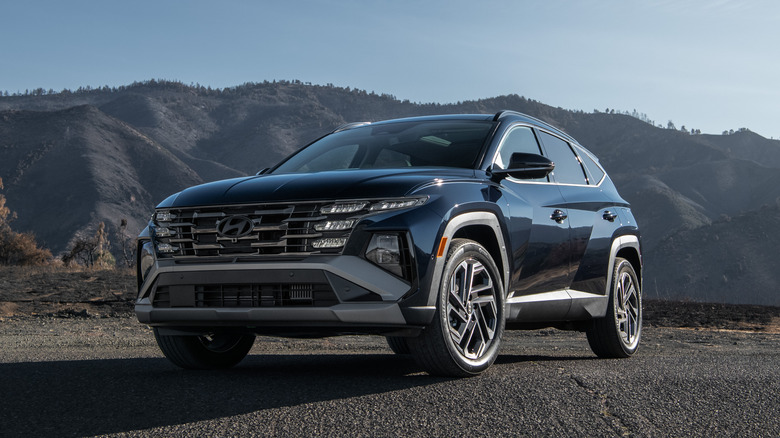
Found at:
(465, 334)
(618, 333)
(398, 344)
(206, 352)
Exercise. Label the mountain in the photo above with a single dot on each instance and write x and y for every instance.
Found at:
(71, 160)
(67, 170)
(730, 260)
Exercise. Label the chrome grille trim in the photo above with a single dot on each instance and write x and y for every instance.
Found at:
(278, 229)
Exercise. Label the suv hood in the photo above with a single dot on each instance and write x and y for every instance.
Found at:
(344, 184)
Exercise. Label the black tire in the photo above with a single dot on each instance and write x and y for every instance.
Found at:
(465, 335)
(218, 351)
(617, 335)
(397, 344)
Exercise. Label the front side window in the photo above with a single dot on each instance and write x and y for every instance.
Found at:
(568, 169)
(519, 139)
(438, 143)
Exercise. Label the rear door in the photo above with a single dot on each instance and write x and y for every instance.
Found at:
(586, 205)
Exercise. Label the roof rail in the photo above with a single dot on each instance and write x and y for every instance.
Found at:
(349, 126)
(541, 122)
(501, 113)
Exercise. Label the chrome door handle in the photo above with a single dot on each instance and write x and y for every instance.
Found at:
(609, 216)
(559, 216)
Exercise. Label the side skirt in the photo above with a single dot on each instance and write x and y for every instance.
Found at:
(560, 305)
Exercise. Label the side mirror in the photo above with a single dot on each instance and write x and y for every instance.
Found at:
(526, 166)
(263, 171)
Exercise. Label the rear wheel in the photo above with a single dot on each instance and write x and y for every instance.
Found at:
(618, 333)
(465, 334)
(205, 352)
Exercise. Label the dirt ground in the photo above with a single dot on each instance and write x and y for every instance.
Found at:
(87, 293)
(65, 292)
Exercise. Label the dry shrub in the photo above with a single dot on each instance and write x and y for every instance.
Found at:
(18, 248)
(92, 252)
(21, 249)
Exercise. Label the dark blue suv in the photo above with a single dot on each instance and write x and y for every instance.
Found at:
(437, 232)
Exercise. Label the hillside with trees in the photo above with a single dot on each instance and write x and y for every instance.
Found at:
(75, 159)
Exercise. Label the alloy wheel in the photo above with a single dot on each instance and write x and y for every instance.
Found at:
(627, 310)
(471, 309)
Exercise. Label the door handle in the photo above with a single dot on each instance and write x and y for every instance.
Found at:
(559, 216)
(609, 216)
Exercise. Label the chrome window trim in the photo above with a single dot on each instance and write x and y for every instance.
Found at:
(572, 144)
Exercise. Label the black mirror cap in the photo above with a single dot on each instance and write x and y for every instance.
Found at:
(527, 166)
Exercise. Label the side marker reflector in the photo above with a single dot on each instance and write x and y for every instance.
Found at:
(442, 245)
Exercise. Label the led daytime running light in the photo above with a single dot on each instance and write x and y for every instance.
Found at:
(334, 225)
(166, 248)
(164, 216)
(162, 232)
(330, 242)
(343, 207)
(396, 204)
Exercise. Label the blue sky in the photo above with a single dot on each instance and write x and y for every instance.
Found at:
(712, 65)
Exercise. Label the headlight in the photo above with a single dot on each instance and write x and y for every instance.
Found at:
(384, 250)
(394, 204)
(349, 207)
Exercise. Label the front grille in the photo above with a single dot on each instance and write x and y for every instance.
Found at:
(277, 229)
(245, 295)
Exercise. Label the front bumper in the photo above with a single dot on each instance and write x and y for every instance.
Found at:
(348, 293)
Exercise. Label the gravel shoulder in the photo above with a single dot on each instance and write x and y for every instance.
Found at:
(88, 293)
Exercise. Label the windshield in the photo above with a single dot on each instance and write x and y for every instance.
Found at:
(441, 143)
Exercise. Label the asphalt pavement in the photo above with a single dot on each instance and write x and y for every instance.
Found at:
(91, 376)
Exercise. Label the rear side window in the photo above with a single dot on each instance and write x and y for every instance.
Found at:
(568, 169)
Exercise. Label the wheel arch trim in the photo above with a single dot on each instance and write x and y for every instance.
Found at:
(626, 241)
(477, 218)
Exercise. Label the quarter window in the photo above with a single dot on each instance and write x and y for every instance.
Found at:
(568, 169)
(596, 174)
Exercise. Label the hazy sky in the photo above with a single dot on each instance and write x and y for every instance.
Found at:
(712, 65)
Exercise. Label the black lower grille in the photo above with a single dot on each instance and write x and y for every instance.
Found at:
(245, 295)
